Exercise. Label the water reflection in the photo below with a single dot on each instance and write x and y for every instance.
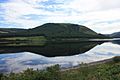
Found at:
(15, 62)
(52, 50)
(116, 42)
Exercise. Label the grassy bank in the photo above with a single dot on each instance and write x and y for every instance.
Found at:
(24, 38)
(105, 71)
(24, 41)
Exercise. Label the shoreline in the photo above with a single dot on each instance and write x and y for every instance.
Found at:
(101, 70)
(91, 64)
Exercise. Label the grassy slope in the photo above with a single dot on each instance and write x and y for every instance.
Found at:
(56, 32)
(10, 30)
(62, 30)
(51, 30)
(105, 71)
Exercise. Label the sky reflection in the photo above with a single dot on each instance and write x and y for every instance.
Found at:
(15, 62)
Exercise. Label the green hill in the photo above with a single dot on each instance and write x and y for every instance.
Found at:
(57, 30)
(63, 30)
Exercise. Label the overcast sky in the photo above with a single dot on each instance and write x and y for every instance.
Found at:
(102, 16)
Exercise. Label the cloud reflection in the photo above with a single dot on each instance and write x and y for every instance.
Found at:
(21, 61)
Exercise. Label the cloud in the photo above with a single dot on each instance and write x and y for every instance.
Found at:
(99, 15)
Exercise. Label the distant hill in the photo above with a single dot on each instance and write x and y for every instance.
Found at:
(59, 30)
(115, 35)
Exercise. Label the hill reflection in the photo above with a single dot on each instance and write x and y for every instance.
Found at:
(52, 50)
(116, 42)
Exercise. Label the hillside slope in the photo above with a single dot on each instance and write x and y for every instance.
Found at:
(63, 30)
(115, 35)
(9, 30)
(58, 30)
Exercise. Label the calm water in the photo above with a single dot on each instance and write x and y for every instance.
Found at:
(15, 59)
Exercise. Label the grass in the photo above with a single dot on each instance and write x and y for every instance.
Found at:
(105, 71)
(25, 38)
(25, 41)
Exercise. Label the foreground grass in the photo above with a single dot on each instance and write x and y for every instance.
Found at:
(105, 71)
